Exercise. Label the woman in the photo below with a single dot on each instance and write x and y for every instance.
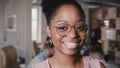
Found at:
(67, 29)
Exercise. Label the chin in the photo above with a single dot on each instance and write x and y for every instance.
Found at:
(71, 52)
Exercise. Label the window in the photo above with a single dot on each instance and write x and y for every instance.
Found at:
(36, 24)
(106, 23)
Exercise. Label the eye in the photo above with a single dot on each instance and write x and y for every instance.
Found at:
(80, 28)
(62, 28)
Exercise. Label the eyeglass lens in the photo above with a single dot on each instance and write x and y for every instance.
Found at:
(65, 29)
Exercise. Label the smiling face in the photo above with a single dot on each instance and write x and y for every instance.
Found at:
(67, 30)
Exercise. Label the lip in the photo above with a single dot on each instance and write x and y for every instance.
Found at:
(70, 45)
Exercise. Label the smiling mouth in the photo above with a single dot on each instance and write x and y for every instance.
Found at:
(71, 45)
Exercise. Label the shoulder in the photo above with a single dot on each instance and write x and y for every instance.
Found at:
(43, 64)
(93, 63)
(42, 56)
(102, 65)
(35, 60)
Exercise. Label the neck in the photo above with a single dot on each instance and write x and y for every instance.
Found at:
(61, 59)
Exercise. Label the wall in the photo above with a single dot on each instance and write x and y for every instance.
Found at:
(2, 5)
(21, 38)
(44, 34)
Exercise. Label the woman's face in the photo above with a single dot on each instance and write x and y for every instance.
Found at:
(66, 30)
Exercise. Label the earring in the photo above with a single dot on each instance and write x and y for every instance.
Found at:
(49, 42)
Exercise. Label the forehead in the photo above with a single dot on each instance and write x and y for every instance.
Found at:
(69, 13)
(70, 10)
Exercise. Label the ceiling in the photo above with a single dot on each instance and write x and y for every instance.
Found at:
(101, 3)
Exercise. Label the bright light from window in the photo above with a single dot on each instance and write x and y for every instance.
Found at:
(106, 23)
(34, 24)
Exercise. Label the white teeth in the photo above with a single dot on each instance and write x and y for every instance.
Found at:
(71, 45)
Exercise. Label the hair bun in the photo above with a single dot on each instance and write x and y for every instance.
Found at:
(48, 4)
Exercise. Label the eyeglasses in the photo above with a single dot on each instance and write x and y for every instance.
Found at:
(64, 29)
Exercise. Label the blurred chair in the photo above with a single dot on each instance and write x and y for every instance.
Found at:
(36, 48)
(2, 59)
(10, 57)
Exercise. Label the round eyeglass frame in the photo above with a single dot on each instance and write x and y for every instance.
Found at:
(79, 32)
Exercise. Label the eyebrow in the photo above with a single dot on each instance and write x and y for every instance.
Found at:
(62, 21)
(67, 21)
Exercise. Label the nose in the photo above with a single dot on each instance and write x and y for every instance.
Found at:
(73, 33)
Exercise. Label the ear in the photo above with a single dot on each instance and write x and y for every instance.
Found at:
(48, 31)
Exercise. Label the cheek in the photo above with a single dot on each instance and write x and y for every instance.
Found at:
(56, 39)
(83, 37)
